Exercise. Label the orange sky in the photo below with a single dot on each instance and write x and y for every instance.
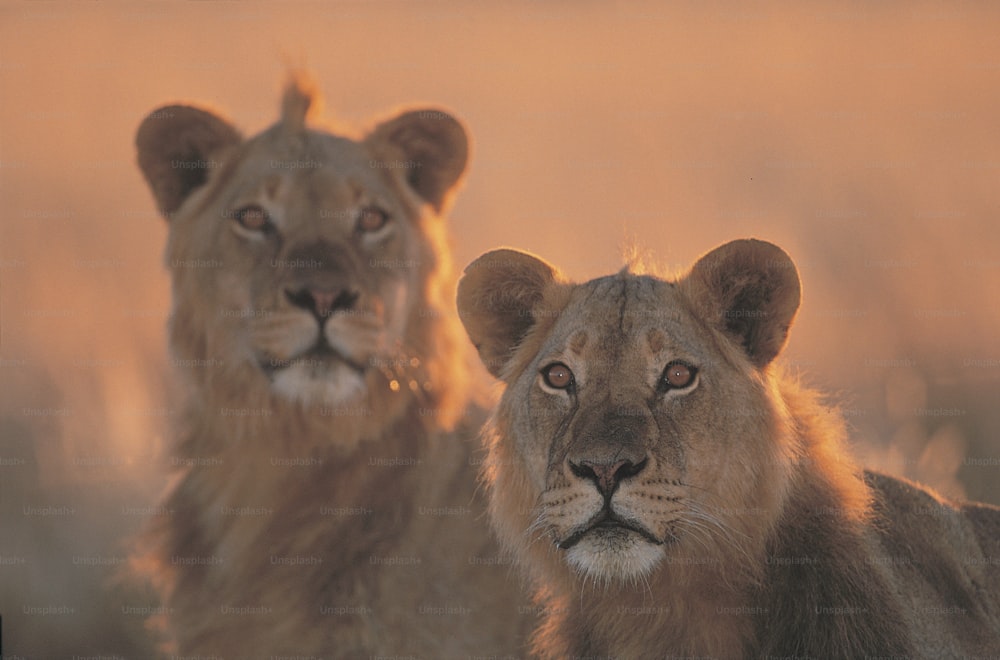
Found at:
(863, 140)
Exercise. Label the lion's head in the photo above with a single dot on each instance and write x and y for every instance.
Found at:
(637, 422)
(308, 267)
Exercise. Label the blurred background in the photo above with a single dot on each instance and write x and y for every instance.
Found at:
(864, 138)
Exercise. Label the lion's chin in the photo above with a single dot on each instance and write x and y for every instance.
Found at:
(335, 384)
(614, 555)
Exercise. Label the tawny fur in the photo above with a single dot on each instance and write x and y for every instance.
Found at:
(773, 543)
(340, 522)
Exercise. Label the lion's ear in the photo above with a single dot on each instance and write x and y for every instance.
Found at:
(176, 144)
(430, 147)
(750, 289)
(497, 299)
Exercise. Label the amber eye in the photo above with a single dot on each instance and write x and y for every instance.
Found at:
(677, 375)
(558, 376)
(252, 217)
(371, 219)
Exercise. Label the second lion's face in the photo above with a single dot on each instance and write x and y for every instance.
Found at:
(637, 425)
(634, 422)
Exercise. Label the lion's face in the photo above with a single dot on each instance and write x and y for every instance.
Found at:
(622, 387)
(323, 265)
(303, 256)
(635, 412)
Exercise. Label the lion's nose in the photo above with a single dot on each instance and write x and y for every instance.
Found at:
(607, 476)
(321, 302)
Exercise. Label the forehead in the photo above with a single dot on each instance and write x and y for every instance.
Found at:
(611, 312)
(310, 159)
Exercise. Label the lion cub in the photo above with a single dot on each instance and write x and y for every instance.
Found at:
(323, 504)
(671, 493)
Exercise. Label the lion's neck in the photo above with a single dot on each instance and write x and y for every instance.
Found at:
(687, 607)
(245, 485)
(240, 417)
(272, 452)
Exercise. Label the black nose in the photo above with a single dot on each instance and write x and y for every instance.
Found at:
(322, 302)
(607, 476)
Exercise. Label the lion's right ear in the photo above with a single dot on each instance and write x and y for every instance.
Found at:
(497, 300)
(434, 147)
(176, 144)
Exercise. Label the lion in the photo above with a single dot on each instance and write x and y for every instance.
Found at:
(325, 498)
(671, 492)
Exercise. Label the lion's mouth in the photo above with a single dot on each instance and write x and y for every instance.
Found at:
(318, 360)
(608, 524)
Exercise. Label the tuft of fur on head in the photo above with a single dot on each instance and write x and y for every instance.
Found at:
(637, 259)
(301, 101)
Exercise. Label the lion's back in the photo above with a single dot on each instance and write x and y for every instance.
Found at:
(941, 560)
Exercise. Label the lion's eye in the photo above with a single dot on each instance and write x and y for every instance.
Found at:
(677, 375)
(558, 376)
(252, 217)
(371, 219)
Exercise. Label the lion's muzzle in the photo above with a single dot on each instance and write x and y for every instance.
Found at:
(322, 302)
(609, 448)
(320, 276)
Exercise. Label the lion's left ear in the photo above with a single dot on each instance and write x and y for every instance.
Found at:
(429, 146)
(750, 290)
